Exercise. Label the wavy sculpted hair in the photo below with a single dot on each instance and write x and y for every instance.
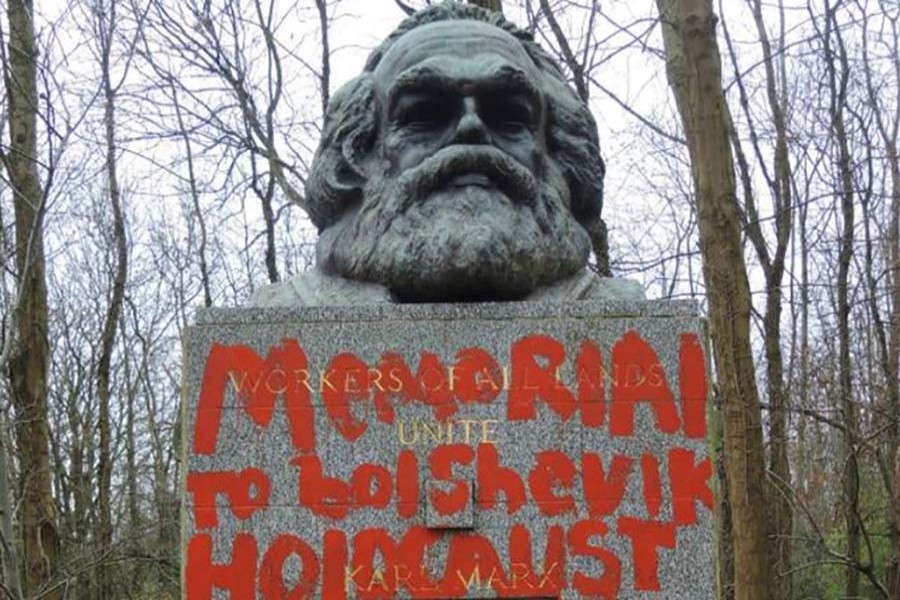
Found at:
(338, 175)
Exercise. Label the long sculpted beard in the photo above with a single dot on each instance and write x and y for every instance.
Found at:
(429, 241)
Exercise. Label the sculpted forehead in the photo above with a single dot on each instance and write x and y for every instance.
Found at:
(473, 41)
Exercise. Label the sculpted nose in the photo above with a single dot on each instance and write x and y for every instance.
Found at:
(471, 128)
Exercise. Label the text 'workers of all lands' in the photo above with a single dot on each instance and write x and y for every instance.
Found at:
(371, 563)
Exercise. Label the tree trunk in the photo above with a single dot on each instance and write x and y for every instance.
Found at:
(838, 82)
(10, 553)
(893, 378)
(773, 266)
(780, 499)
(325, 76)
(694, 72)
(724, 540)
(779, 502)
(495, 5)
(30, 353)
(195, 198)
(893, 570)
(106, 24)
(888, 122)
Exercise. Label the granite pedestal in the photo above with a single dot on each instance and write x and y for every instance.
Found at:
(507, 450)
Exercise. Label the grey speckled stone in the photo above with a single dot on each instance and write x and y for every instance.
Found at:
(487, 311)
(316, 288)
(685, 571)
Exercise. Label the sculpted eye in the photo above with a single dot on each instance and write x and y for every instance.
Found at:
(507, 115)
(424, 113)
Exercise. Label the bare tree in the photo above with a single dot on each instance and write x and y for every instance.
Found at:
(694, 72)
(887, 122)
(211, 38)
(26, 345)
(779, 182)
(577, 66)
(838, 72)
(106, 23)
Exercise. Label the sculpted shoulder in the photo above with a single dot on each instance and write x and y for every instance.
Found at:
(315, 288)
(319, 289)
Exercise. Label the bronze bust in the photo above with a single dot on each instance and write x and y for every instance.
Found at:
(459, 166)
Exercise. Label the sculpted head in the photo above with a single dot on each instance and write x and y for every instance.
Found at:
(458, 166)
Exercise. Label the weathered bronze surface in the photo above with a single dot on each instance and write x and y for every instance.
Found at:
(459, 166)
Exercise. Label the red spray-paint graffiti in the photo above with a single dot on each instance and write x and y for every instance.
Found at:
(541, 379)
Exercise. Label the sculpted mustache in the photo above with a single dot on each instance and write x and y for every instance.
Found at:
(510, 176)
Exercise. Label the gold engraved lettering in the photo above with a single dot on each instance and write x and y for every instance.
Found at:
(377, 579)
(483, 380)
(558, 379)
(634, 376)
(240, 387)
(452, 376)
(407, 440)
(302, 376)
(492, 578)
(425, 576)
(396, 384)
(467, 427)
(438, 379)
(434, 433)
(433, 430)
(487, 430)
(352, 385)
(402, 578)
(520, 571)
(612, 378)
(277, 389)
(584, 376)
(325, 382)
(546, 578)
(375, 379)
(350, 577)
(474, 580)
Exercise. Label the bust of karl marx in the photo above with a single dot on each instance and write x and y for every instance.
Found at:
(459, 166)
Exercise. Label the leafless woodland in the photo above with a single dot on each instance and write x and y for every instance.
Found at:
(154, 154)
